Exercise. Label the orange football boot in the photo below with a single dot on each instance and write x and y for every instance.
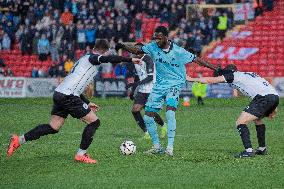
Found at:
(85, 159)
(14, 144)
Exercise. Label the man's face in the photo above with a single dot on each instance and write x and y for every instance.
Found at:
(160, 39)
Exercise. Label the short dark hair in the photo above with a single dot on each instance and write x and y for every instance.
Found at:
(102, 44)
(231, 67)
(163, 30)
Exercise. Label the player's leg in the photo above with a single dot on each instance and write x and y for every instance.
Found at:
(58, 115)
(80, 110)
(260, 133)
(163, 125)
(152, 130)
(244, 132)
(153, 105)
(172, 103)
(138, 104)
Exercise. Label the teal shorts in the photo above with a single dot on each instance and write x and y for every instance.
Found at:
(158, 96)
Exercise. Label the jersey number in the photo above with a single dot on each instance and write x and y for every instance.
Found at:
(254, 75)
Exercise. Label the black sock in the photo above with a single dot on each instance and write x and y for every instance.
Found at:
(88, 133)
(245, 135)
(139, 120)
(260, 131)
(159, 120)
(39, 131)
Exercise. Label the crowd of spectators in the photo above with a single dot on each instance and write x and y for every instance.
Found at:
(57, 28)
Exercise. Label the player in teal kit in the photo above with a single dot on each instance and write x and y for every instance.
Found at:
(170, 61)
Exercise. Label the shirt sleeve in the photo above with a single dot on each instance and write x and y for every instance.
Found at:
(148, 48)
(149, 64)
(229, 77)
(186, 57)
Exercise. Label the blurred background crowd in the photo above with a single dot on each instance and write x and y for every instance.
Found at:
(54, 33)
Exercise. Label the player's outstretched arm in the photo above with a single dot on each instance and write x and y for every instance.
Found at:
(206, 64)
(114, 59)
(207, 80)
(130, 48)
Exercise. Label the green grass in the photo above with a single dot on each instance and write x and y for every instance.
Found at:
(205, 141)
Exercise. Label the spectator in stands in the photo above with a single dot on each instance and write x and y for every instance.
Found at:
(81, 36)
(199, 90)
(66, 17)
(35, 42)
(42, 73)
(222, 25)
(6, 42)
(90, 35)
(2, 64)
(54, 51)
(9, 73)
(43, 48)
(26, 40)
(34, 72)
(52, 71)
(138, 26)
(68, 65)
(1, 72)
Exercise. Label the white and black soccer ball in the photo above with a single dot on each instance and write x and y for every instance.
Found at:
(127, 147)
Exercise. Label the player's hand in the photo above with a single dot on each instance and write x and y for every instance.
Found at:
(273, 114)
(93, 107)
(136, 60)
(119, 46)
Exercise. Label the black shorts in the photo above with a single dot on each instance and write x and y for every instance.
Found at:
(141, 98)
(69, 104)
(262, 106)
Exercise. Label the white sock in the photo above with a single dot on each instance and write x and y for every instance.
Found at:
(81, 152)
(262, 148)
(22, 139)
(157, 146)
(249, 150)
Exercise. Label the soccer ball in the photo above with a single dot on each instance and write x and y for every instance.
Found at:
(127, 147)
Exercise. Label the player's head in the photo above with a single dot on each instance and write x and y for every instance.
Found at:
(101, 46)
(140, 46)
(161, 36)
(230, 68)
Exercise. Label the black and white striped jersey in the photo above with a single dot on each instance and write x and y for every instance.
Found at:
(249, 83)
(81, 75)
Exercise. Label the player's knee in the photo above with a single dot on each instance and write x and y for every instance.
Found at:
(94, 125)
(54, 128)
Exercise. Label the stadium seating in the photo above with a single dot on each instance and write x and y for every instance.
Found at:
(266, 35)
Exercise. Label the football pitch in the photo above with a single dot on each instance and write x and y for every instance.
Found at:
(206, 140)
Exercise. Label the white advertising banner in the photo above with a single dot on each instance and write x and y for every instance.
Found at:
(12, 87)
(41, 87)
(17, 87)
(278, 83)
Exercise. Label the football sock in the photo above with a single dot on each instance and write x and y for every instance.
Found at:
(88, 133)
(22, 139)
(171, 128)
(81, 152)
(139, 120)
(245, 135)
(152, 129)
(159, 120)
(39, 131)
(260, 131)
